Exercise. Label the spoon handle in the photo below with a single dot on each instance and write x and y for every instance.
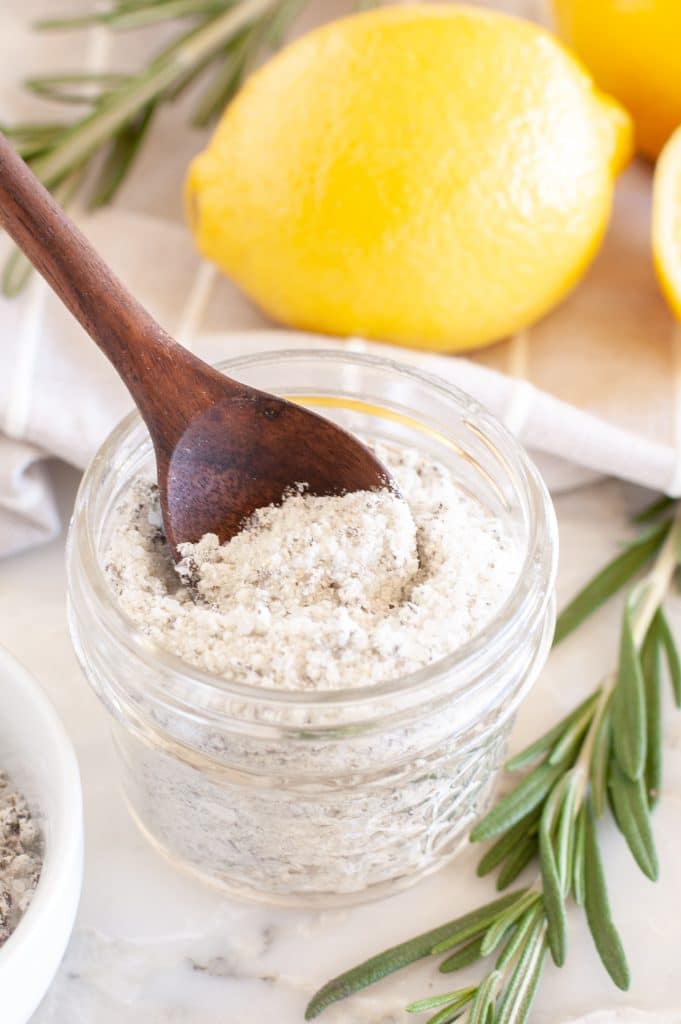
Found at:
(145, 356)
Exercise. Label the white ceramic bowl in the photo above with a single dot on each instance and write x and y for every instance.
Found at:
(37, 753)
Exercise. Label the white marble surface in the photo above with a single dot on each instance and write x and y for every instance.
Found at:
(152, 946)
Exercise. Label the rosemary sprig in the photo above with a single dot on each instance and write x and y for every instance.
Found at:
(607, 753)
(217, 40)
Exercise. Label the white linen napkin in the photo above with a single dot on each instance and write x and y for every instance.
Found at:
(594, 388)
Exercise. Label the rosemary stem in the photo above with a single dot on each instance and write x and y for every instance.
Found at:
(657, 582)
(125, 102)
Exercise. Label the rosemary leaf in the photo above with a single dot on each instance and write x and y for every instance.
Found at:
(523, 854)
(228, 78)
(460, 996)
(517, 939)
(448, 1014)
(454, 933)
(654, 510)
(518, 803)
(37, 135)
(672, 652)
(477, 922)
(552, 890)
(578, 859)
(632, 815)
(546, 742)
(484, 998)
(120, 158)
(572, 736)
(609, 580)
(498, 929)
(137, 18)
(508, 841)
(288, 11)
(516, 1001)
(628, 705)
(73, 88)
(600, 759)
(565, 838)
(651, 666)
(464, 956)
(597, 907)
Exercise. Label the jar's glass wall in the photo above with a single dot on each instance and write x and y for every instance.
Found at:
(306, 799)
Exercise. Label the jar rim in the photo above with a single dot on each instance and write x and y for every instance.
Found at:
(530, 595)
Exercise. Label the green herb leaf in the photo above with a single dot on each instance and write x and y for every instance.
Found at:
(508, 917)
(461, 996)
(120, 158)
(136, 18)
(523, 854)
(448, 1014)
(503, 846)
(464, 956)
(477, 922)
(655, 509)
(672, 652)
(628, 705)
(453, 933)
(517, 999)
(609, 580)
(484, 998)
(572, 737)
(73, 88)
(517, 939)
(547, 741)
(228, 77)
(518, 803)
(565, 838)
(578, 859)
(597, 906)
(552, 892)
(632, 815)
(651, 666)
(600, 759)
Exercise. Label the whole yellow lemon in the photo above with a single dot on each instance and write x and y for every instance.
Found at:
(435, 176)
(633, 50)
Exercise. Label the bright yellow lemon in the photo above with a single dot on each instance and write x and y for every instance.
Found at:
(667, 221)
(435, 176)
(633, 50)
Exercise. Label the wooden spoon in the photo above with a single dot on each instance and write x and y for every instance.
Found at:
(222, 449)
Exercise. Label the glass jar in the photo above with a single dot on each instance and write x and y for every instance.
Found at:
(340, 795)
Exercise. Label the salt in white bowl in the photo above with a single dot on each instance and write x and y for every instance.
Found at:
(37, 754)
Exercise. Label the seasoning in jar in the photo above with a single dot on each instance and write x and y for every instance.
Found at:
(321, 593)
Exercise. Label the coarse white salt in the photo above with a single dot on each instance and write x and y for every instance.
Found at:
(321, 593)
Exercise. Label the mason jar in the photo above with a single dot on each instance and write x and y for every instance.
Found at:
(334, 796)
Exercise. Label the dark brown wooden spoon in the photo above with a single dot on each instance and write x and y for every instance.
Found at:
(222, 449)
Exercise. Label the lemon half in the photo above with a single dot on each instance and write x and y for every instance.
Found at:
(667, 221)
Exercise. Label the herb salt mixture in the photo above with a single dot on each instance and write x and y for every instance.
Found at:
(20, 857)
(321, 593)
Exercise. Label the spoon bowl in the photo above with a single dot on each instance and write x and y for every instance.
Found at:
(245, 452)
